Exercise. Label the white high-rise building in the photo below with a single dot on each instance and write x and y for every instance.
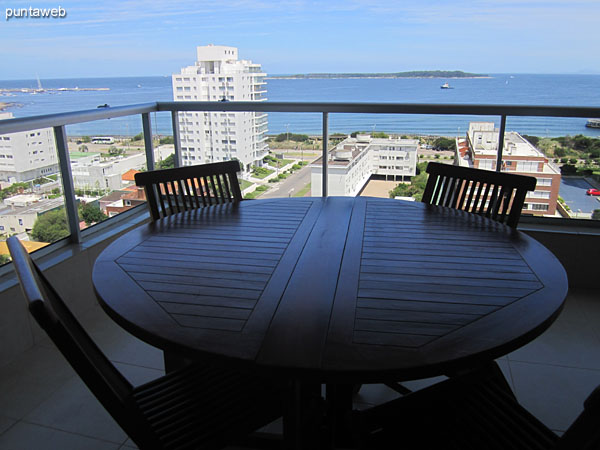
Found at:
(218, 75)
(27, 155)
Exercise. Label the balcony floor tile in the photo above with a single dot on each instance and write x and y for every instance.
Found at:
(553, 394)
(44, 405)
(26, 436)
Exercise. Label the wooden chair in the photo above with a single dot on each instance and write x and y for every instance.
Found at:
(170, 191)
(497, 195)
(196, 407)
(470, 412)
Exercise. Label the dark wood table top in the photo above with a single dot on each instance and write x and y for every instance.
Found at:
(336, 289)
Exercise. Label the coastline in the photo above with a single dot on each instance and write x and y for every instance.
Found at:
(390, 77)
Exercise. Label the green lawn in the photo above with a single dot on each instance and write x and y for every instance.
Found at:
(282, 162)
(262, 173)
(244, 184)
(302, 192)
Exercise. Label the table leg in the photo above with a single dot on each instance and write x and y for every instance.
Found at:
(339, 399)
(303, 418)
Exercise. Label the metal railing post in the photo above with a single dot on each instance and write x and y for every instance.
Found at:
(62, 148)
(325, 151)
(148, 141)
(176, 138)
(501, 143)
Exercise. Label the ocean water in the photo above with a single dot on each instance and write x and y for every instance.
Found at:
(517, 89)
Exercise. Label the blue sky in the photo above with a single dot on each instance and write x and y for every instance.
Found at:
(147, 37)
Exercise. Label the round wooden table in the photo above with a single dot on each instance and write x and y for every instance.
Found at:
(332, 290)
(359, 289)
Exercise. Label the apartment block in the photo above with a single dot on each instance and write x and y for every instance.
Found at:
(354, 160)
(480, 149)
(27, 155)
(206, 137)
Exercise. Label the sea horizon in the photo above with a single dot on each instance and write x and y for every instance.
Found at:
(502, 89)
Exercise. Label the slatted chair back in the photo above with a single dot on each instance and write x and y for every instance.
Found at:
(170, 191)
(109, 386)
(496, 195)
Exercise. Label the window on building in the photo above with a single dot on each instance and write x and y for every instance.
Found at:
(527, 166)
(544, 181)
(539, 194)
(539, 207)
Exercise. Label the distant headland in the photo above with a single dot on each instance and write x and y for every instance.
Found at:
(412, 74)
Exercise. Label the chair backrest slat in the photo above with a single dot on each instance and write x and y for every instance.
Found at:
(497, 195)
(190, 187)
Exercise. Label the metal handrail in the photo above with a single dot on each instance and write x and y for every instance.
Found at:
(89, 115)
(60, 120)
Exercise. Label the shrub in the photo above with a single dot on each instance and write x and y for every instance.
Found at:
(568, 169)
(573, 160)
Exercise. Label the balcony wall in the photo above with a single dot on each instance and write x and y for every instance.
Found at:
(69, 270)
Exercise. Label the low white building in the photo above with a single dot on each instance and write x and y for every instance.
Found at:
(354, 160)
(27, 155)
(19, 219)
(91, 171)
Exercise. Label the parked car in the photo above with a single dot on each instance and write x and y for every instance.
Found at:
(593, 192)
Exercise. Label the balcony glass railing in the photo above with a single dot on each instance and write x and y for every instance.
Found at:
(386, 148)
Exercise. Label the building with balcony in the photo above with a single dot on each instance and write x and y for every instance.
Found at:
(27, 155)
(354, 160)
(480, 149)
(206, 137)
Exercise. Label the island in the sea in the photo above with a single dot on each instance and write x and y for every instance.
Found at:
(412, 74)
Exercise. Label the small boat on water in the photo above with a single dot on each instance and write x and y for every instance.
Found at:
(445, 86)
(593, 123)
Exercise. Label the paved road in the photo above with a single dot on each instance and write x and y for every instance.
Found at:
(572, 190)
(296, 181)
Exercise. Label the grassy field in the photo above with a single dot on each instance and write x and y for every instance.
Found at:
(244, 184)
(302, 192)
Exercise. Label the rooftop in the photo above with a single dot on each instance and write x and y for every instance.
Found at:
(39, 207)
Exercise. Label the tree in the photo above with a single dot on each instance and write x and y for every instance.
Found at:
(596, 214)
(138, 137)
(533, 139)
(167, 163)
(568, 169)
(416, 188)
(560, 152)
(86, 139)
(4, 259)
(166, 140)
(379, 135)
(443, 143)
(51, 226)
(91, 213)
